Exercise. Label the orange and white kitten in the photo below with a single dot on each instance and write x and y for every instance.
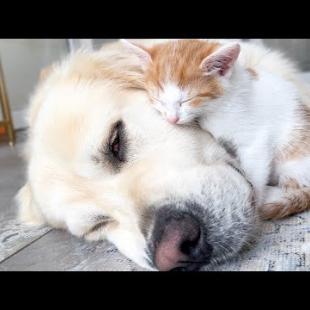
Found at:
(245, 96)
(180, 77)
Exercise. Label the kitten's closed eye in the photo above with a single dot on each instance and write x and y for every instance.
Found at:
(187, 100)
(181, 102)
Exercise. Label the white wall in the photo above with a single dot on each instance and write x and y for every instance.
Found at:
(22, 60)
(296, 49)
(97, 43)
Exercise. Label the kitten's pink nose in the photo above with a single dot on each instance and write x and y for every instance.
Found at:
(173, 119)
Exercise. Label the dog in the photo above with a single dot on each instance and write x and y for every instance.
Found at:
(101, 163)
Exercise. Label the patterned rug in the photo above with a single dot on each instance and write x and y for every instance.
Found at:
(284, 245)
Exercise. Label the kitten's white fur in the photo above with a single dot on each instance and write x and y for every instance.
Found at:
(257, 115)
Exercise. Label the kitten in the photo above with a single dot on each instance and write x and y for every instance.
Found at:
(252, 100)
(179, 77)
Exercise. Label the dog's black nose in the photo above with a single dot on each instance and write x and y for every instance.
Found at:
(179, 241)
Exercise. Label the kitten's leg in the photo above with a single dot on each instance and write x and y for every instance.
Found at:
(293, 194)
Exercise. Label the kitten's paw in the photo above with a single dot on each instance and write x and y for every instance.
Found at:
(274, 202)
(283, 201)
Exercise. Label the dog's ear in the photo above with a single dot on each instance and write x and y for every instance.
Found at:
(45, 72)
(140, 51)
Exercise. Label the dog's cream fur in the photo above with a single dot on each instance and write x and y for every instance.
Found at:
(70, 118)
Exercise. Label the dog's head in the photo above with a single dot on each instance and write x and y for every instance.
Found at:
(104, 164)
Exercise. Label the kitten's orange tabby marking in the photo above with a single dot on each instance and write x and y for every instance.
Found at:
(179, 62)
(182, 76)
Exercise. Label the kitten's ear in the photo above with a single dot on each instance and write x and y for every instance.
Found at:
(221, 61)
(141, 52)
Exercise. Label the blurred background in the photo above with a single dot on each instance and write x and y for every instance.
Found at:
(22, 60)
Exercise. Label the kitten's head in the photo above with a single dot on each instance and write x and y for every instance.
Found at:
(183, 76)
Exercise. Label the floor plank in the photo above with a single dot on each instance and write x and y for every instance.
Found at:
(12, 177)
(15, 236)
(60, 251)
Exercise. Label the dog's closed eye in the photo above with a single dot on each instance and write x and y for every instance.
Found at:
(114, 151)
(117, 144)
(100, 222)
